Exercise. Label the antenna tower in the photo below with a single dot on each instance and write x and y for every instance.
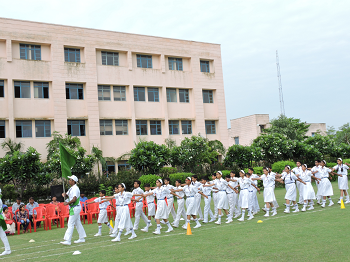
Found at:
(280, 84)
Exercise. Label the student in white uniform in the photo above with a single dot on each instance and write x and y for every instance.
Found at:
(256, 207)
(343, 185)
(316, 173)
(231, 195)
(138, 193)
(180, 203)
(289, 179)
(102, 216)
(170, 198)
(207, 200)
(117, 208)
(215, 197)
(197, 197)
(151, 207)
(297, 170)
(268, 179)
(326, 189)
(160, 193)
(2, 232)
(74, 213)
(308, 190)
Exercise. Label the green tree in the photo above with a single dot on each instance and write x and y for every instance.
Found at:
(216, 145)
(291, 127)
(324, 144)
(343, 134)
(243, 156)
(99, 159)
(11, 146)
(149, 157)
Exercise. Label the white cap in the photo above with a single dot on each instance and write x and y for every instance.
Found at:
(219, 172)
(73, 177)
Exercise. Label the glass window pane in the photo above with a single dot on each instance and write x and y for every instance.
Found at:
(184, 95)
(139, 94)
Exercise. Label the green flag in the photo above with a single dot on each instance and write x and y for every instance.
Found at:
(67, 161)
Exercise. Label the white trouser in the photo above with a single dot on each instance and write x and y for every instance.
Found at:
(198, 199)
(4, 240)
(231, 202)
(139, 213)
(207, 210)
(180, 211)
(171, 207)
(215, 200)
(74, 221)
(318, 196)
(299, 186)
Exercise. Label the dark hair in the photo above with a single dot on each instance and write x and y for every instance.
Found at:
(214, 174)
(116, 186)
(195, 176)
(178, 180)
(251, 169)
(19, 198)
(298, 161)
(31, 198)
(121, 185)
(227, 176)
(205, 178)
(146, 185)
(138, 182)
(103, 192)
(319, 161)
(21, 205)
(167, 179)
(5, 208)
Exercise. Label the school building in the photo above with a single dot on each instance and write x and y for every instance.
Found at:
(245, 129)
(110, 89)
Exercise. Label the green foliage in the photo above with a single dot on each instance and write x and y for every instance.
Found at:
(225, 173)
(149, 157)
(216, 145)
(243, 156)
(9, 192)
(343, 135)
(11, 146)
(331, 165)
(166, 171)
(257, 170)
(280, 165)
(148, 179)
(109, 190)
(181, 176)
(324, 144)
(306, 154)
(98, 158)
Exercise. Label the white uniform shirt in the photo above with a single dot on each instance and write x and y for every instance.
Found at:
(317, 174)
(168, 186)
(221, 184)
(190, 190)
(117, 203)
(297, 170)
(269, 180)
(161, 192)
(338, 169)
(150, 198)
(324, 171)
(138, 191)
(289, 178)
(179, 193)
(103, 205)
(255, 182)
(229, 190)
(244, 183)
(73, 192)
(205, 190)
(196, 184)
(125, 198)
(305, 176)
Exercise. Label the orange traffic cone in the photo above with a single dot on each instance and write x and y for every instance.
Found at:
(342, 206)
(189, 232)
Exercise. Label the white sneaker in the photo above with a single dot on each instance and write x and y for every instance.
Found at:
(212, 220)
(254, 213)
(296, 210)
(162, 222)
(150, 224)
(7, 252)
(176, 225)
(205, 222)
(97, 235)
(144, 229)
(311, 208)
(169, 230)
(293, 207)
(200, 219)
(184, 226)
(237, 215)
(127, 233)
(323, 205)
(229, 221)
(218, 222)
(117, 239)
(267, 215)
(331, 204)
(287, 211)
(197, 226)
(79, 241)
(182, 218)
(274, 213)
(339, 202)
(110, 231)
(135, 228)
(132, 236)
(250, 218)
(303, 209)
(264, 209)
(113, 235)
(347, 202)
(66, 243)
(156, 232)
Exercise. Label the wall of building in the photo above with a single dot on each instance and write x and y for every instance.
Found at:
(314, 128)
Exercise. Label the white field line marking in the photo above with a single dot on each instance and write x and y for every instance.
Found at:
(138, 240)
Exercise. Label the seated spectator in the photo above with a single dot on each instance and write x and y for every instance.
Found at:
(16, 205)
(83, 199)
(30, 206)
(57, 209)
(10, 223)
(22, 217)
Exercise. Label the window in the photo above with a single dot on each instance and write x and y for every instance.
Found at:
(141, 127)
(23, 128)
(119, 93)
(110, 58)
(205, 66)
(123, 165)
(144, 61)
(42, 128)
(184, 96)
(30, 52)
(210, 127)
(186, 127)
(76, 127)
(22, 89)
(313, 134)
(72, 55)
(139, 94)
(106, 128)
(41, 90)
(74, 91)
(155, 127)
(153, 94)
(262, 128)
(175, 63)
(236, 140)
(2, 128)
(208, 96)
(173, 127)
(171, 95)
(110, 167)
(121, 127)
(2, 88)
(104, 92)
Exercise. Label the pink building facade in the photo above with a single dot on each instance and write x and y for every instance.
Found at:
(108, 88)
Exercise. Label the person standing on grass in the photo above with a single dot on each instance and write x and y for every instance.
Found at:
(170, 198)
(3, 227)
(343, 185)
(139, 205)
(289, 179)
(231, 195)
(254, 196)
(151, 207)
(207, 200)
(326, 189)
(215, 196)
(73, 195)
(197, 197)
(102, 216)
(316, 173)
(117, 207)
(308, 190)
(180, 203)
(297, 170)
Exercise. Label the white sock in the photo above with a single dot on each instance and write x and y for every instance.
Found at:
(158, 227)
(219, 217)
(168, 224)
(341, 198)
(274, 209)
(288, 206)
(296, 207)
(330, 200)
(305, 205)
(324, 201)
(109, 225)
(249, 212)
(243, 213)
(347, 198)
(99, 229)
(120, 233)
(267, 210)
(196, 220)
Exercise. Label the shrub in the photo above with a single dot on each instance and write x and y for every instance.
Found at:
(225, 173)
(166, 171)
(9, 192)
(257, 170)
(148, 179)
(331, 165)
(181, 176)
(280, 165)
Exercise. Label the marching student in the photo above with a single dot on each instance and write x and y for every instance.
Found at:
(117, 207)
(326, 189)
(254, 196)
(236, 209)
(139, 205)
(3, 236)
(308, 190)
(162, 211)
(207, 200)
(180, 203)
(268, 179)
(74, 213)
(215, 197)
(197, 197)
(102, 216)
(151, 207)
(297, 170)
(289, 179)
(316, 173)
(170, 198)
(231, 195)
(343, 185)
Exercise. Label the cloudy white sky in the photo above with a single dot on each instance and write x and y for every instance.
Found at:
(312, 38)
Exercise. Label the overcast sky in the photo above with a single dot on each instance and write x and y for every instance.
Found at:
(312, 39)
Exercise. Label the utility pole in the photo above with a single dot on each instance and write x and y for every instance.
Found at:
(280, 85)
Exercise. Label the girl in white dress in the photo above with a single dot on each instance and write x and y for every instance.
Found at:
(151, 207)
(117, 207)
(325, 187)
(343, 185)
(308, 190)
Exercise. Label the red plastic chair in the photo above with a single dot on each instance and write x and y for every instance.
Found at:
(84, 213)
(40, 216)
(145, 206)
(10, 209)
(19, 223)
(64, 213)
(93, 210)
(132, 209)
(51, 215)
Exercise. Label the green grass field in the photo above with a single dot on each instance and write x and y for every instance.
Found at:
(318, 235)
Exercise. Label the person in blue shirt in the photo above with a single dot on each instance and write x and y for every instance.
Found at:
(83, 199)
